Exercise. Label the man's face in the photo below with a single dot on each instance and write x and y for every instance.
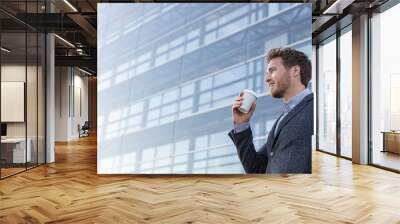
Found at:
(277, 78)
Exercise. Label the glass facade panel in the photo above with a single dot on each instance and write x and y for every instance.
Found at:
(385, 89)
(346, 93)
(327, 95)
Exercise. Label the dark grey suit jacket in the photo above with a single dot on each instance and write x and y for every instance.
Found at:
(289, 151)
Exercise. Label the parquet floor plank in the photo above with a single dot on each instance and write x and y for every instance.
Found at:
(70, 191)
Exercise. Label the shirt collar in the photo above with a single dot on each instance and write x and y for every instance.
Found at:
(295, 100)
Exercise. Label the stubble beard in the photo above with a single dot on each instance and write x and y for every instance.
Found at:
(281, 88)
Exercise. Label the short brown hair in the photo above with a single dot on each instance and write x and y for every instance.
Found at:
(291, 57)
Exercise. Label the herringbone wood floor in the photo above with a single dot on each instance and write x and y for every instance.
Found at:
(70, 191)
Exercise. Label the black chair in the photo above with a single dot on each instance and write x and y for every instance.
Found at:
(84, 130)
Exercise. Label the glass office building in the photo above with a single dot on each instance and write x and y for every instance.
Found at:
(168, 75)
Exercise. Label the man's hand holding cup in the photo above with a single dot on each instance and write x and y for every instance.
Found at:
(244, 106)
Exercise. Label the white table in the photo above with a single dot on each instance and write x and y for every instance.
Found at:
(19, 149)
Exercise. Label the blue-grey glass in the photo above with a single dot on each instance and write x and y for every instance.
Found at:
(168, 74)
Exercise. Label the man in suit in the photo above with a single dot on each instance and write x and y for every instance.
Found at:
(288, 147)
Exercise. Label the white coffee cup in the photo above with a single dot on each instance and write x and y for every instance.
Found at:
(249, 96)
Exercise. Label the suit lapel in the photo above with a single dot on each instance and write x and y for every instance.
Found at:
(271, 135)
(291, 114)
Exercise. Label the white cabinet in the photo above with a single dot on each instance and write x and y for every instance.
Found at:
(18, 149)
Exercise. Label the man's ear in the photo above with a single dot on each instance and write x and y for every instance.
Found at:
(295, 70)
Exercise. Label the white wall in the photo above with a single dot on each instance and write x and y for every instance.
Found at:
(70, 83)
(12, 73)
(80, 84)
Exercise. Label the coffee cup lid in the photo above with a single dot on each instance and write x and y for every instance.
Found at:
(250, 91)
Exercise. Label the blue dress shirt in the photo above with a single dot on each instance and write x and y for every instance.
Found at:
(287, 107)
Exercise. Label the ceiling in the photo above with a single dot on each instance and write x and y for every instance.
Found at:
(76, 22)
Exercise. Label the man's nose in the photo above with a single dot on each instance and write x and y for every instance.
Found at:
(267, 78)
